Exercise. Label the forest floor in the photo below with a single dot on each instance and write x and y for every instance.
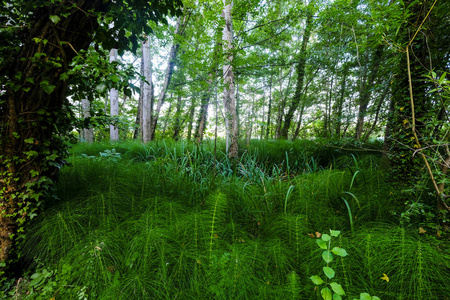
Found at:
(181, 221)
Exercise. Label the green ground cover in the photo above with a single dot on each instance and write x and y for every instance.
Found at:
(180, 221)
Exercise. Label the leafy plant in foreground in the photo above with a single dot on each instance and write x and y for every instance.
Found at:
(336, 292)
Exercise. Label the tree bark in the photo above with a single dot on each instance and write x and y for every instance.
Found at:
(179, 28)
(301, 66)
(114, 101)
(30, 118)
(147, 99)
(229, 99)
(366, 89)
(88, 133)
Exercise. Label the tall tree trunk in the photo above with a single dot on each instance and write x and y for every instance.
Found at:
(269, 112)
(366, 89)
(299, 122)
(179, 29)
(147, 98)
(114, 101)
(301, 66)
(229, 98)
(88, 133)
(177, 125)
(30, 120)
(201, 122)
(190, 119)
(138, 122)
(282, 103)
(340, 102)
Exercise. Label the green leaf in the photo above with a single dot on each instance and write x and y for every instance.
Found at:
(335, 233)
(337, 297)
(326, 237)
(48, 88)
(337, 288)
(364, 296)
(375, 298)
(29, 140)
(316, 280)
(326, 294)
(327, 256)
(322, 244)
(329, 272)
(115, 78)
(339, 251)
(63, 76)
(55, 19)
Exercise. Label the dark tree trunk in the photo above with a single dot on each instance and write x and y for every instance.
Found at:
(31, 119)
(366, 89)
(301, 66)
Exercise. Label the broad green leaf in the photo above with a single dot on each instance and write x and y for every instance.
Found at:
(339, 251)
(55, 19)
(335, 233)
(327, 256)
(115, 78)
(337, 297)
(364, 296)
(48, 88)
(326, 237)
(329, 272)
(316, 279)
(322, 244)
(337, 288)
(326, 294)
(375, 298)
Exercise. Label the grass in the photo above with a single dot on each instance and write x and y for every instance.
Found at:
(174, 221)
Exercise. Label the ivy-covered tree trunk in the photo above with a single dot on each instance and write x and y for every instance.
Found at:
(416, 110)
(34, 113)
(301, 66)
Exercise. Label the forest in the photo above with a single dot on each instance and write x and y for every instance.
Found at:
(227, 149)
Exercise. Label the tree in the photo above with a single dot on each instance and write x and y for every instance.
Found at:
(38, 46)
(229, 97)
(114, 101)
(147, 94)
(301, 65)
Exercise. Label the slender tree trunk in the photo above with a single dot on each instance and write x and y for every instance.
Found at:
(147, 98)
(179, 28)
(114, 101)
(301, 66)
(177, 125)
(269, 112)
(88, 133)
(229, 98)
(138, 122)
(375, 121)
(340, 102)
(299, 122)
(201, 123)
(366, 91)
(282, 103)
(191, 119)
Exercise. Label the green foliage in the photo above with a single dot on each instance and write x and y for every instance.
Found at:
(166, 220)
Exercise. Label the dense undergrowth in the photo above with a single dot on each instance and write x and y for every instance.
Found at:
(180, 221)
